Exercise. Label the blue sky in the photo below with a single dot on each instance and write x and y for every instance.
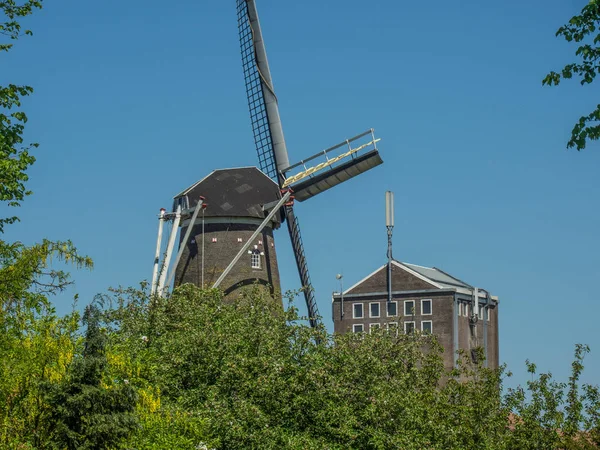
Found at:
(137, 100)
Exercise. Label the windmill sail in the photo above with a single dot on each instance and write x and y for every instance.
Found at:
(309, 295)
(264, 111)
(267, 129)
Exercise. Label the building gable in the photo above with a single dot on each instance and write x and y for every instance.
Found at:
(403, 279)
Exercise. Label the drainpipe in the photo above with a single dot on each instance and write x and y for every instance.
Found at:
(486, 313)
(455, 330)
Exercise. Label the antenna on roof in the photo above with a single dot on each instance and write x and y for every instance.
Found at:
(389, 224)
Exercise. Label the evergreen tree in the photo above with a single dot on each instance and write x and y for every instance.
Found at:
(89, 411)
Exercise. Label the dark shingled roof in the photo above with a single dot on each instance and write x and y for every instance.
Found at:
(234, 193)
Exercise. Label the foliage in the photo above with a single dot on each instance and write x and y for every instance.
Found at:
(35, 349)
(90, 411)
(582, 29)
(15, 158)
(250, 375)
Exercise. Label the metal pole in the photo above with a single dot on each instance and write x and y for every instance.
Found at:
(183, 244)
(161, 224)
(284, 199)
(340, 277)
(389, 223)
(163, 275)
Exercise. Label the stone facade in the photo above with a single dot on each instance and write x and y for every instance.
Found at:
(446, 306)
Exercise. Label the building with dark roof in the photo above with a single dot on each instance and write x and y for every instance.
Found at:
(426, 300)
(235, 200)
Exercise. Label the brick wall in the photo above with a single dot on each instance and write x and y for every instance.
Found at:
(219, 253)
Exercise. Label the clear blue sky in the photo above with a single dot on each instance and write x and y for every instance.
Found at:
(137, 100)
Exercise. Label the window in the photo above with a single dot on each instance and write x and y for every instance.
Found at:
(392, 309)
(409, 307)
(409, 327)
(426, 307)
(255, 260)
(460, 306)
(480, 312)
(393, 328)
(466, 309)
(357, 311)
(374, 326)
(373, 309)
(427, 327)
(487, 314)
(358, 328)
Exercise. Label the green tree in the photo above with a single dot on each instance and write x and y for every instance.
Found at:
(250, 375)
(583, 30)
(15, 158)
(90, 411)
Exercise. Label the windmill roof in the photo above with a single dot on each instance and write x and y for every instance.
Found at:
(237, 192)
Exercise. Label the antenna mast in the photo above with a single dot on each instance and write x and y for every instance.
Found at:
(389, 224)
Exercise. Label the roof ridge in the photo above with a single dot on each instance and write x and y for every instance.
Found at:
(453, 277)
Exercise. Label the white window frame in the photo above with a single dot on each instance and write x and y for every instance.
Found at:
(480, 313)
(427, 321)
(358, 325)
(255, 261)
(374, 325)
(362, 305)
(378, 307)
(466, 310)
(387, 311)
(430, 307)
(486, 311)
(413, 324)
(414, 307)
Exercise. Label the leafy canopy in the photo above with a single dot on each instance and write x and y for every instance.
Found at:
(15, 157)
(582, 29)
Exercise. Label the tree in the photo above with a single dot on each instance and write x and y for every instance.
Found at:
(249, 375)
(90, 411)
(582, 29)
(15, 158)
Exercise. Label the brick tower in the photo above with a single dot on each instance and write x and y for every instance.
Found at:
(235, 200)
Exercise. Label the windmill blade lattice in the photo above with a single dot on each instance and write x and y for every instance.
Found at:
(309, 295)
(255, 94)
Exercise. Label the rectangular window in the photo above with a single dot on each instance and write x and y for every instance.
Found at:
(373, 309)
(409, 307)
(358, 328)
(255, 260)
(466, 309)
(427, 327)
(426, 307)
(357, 311)
(409, 327)
(480, 312)
(393, 328)
(487, 314)
(374, 326)
(392, 309)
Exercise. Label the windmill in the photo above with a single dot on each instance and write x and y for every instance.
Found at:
(290, 182)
